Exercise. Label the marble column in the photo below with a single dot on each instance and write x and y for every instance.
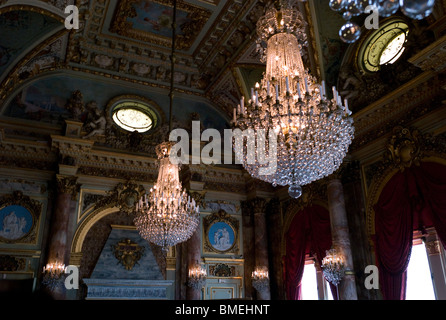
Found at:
(261, 241)
(194, 259)
(58, 246)
(248, 248)
(341, 237)
(274, 222)
(436, 258)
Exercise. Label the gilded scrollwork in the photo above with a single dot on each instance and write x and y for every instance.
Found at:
(11, 264)
(222, 270)
(128, 253)
(404, 148)
(124, 196)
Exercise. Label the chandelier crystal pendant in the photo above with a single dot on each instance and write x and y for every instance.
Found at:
(351, 31)
(167, 216)
(313, 131)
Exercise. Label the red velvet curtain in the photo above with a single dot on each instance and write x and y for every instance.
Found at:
(309, 232)
(411, 200)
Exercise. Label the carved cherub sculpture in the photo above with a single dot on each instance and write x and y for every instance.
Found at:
(99, 123)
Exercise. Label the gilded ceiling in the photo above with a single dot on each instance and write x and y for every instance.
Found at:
(128, 41)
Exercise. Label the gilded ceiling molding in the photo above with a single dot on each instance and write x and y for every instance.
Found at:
(19, 75)
(26, 154)
(215, 37)
(432, 57)
(403, 105)
(36, 6)
(125, 10)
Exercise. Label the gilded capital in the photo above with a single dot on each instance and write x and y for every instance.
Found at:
(433, 247)
(257, 205)
(67, 185)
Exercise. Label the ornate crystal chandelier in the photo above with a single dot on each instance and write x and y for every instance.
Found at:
(333, 267)
(53, 274)
(260, 278)
(313, 131)
(197, 277)
(351, 31)
(167, 216)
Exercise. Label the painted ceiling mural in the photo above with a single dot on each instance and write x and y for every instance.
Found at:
(151, 21)
(129, 41)
(45, 100)
(20, 29)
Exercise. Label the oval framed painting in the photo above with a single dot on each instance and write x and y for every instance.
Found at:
(16, 222)
(220, 233)
(221, 236)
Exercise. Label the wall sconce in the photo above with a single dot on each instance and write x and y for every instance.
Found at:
(260, 278)
(52, 274)
(197, 277)
(333, 266)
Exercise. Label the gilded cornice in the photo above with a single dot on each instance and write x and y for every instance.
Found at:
(432, 57)
(403, 105)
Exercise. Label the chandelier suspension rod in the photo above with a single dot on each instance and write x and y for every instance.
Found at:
(172, 59)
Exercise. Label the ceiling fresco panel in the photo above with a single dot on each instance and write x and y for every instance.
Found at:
(18, 31)
(151, 21)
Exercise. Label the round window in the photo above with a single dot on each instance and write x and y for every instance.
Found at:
(384, 46)
(134, 116)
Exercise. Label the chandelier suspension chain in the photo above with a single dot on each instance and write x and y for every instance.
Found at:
(172, 67)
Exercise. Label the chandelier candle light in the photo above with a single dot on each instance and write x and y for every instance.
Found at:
(313, 131)
(167, 216)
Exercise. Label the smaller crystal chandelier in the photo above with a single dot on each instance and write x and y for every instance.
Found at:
(53, 274)
(333, 267)
(167, 216)
(260, 278)
(197, 277)
(350, 32)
